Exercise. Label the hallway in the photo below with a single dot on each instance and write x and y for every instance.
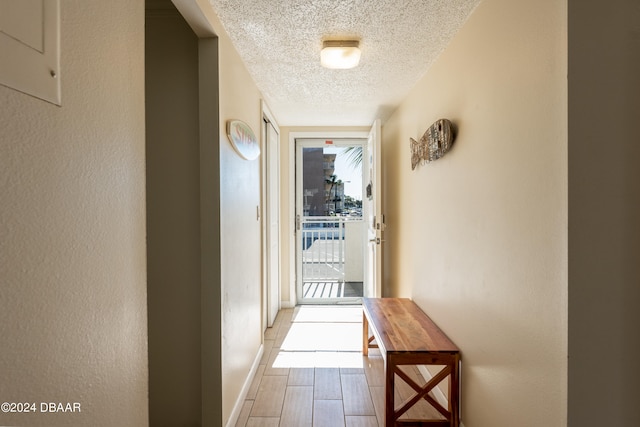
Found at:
(312, 373)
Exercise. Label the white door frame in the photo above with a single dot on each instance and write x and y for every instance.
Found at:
(292, 191)
(300, 145)
(374, 218)
(268, 292)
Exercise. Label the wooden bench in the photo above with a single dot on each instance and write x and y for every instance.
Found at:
(405, 335)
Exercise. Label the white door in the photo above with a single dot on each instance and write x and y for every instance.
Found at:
(273, 222)
(330, 229)
(373, 211)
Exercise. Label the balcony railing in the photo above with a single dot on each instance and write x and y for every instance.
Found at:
(332, 251)
(323, 248)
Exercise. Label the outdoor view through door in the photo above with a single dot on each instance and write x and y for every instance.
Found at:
(330, 227)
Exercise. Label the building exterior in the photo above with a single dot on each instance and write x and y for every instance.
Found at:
(323, 190)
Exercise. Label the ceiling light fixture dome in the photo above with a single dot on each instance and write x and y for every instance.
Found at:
(340, 54)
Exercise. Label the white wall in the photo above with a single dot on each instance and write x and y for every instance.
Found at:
(72, 228)
(354, 244)
(479, 238)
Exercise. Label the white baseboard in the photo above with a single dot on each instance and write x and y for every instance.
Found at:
(237, 408)
(287, 304)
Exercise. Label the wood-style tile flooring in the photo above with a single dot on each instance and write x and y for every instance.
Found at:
(312, 373)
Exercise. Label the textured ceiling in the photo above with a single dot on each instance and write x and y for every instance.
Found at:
(280, 42)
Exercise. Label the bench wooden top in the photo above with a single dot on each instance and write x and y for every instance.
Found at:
(401, 326)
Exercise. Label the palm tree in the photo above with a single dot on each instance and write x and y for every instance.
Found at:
(333, 181)
(354, 155)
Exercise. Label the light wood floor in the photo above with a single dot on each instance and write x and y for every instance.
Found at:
(312, 373)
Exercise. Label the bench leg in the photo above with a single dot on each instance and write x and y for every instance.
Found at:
(454, 392)
(365, 335)
(389, 392)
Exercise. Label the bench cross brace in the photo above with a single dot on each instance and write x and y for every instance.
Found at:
(422, 392)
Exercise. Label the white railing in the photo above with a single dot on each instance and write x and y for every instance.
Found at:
(323, 248)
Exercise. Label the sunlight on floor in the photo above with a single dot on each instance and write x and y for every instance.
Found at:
(322, 337)
(314, 313)
(318, 359)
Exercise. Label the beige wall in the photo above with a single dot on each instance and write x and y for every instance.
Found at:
(231, 194)
(604, 213)
(173, 219)
(479, 238)
(72, 228)
(240, 229)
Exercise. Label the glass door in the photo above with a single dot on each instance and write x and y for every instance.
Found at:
(330, 229)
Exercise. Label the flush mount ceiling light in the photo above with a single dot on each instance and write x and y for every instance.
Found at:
(340, 54)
